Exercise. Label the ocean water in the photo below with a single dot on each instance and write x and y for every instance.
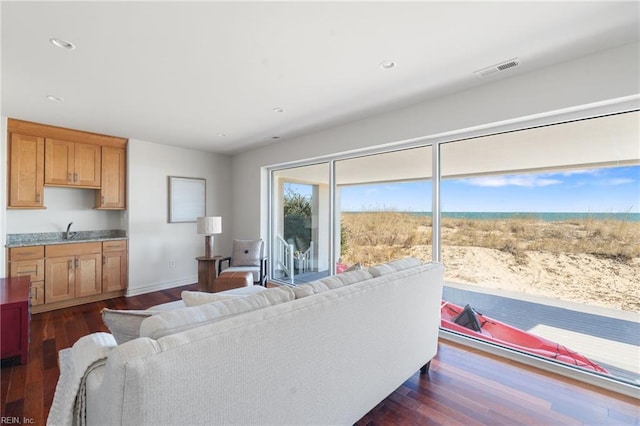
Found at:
(546, 217)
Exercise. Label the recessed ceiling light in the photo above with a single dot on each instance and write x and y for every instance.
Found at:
(63, 44)
(222, 134)
(387, 65)
(55, 98)
(278, 110)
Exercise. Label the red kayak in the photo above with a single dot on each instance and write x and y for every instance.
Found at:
(467, 321)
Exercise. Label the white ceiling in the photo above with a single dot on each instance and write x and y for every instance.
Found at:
(184, 74)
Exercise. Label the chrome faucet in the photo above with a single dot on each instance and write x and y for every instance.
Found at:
(68, 235)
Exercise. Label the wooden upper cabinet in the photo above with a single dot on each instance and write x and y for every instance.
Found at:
(26, 171)
(40, 155)
(112, 193)
(72, 164)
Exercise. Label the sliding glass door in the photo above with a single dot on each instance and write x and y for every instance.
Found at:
(300, 223)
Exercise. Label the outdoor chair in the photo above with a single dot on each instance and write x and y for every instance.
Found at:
(247, 256)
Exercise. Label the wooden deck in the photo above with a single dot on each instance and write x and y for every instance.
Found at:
(463, 387)
(610, 338)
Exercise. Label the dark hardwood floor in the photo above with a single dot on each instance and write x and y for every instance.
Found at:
(463, 386)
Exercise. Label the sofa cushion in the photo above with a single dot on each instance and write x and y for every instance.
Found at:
(332, 282)
(405, 263)
(124, 324)
(354, 276)
(170, 322)
(195, 298)
(393, 266)
(380, 270)
(309, 289)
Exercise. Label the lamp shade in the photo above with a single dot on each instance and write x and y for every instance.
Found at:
(210, 225)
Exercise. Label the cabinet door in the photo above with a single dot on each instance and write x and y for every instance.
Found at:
(59, 162)
(37, 293)
(26, 177)
(87, 165)
(59, 279)
(114, 271)
(88, 275)
(72, 164)
(113, 186)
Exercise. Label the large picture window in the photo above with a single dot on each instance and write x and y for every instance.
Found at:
(538, 229)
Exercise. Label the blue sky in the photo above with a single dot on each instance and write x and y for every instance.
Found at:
(610, 190)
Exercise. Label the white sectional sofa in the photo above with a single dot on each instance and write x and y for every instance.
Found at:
(326, 352)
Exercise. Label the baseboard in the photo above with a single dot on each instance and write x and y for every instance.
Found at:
(161, 286)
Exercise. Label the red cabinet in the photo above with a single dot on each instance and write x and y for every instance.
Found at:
(14, 317)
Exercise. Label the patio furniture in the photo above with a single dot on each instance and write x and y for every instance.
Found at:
(247, 256)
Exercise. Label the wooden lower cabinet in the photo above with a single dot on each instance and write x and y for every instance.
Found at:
(60, 279)
(72, 271)
(29, 261)
(68, 274)
(114, 266)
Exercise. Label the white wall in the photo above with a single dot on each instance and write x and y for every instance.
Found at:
(154, 243)
(64, 205)
(600, 77)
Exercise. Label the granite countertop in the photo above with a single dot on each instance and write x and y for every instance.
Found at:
(49, 238)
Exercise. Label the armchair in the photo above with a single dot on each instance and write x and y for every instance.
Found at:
(247, 256)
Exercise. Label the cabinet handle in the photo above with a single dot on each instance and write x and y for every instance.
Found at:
(71, 264)
(102, 200)
(38, 198)
(104, 259)
(32, 272)
(75, 177)
(70, 177)
(78, 263)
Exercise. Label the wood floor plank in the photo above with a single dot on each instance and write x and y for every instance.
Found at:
(463, 387)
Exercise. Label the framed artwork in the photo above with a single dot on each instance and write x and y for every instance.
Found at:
(187, 199)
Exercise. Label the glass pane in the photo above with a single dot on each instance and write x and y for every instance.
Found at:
(383, 207)
(300, 223)
(540, 232)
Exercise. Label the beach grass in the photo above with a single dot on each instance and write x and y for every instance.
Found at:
(590, 261)
(611, 239)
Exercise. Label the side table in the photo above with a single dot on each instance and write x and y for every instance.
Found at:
(207, 272)
(14, 317)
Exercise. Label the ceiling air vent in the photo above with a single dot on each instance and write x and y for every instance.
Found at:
(498, 67)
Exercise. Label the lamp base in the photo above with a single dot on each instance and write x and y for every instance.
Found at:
(208, 246)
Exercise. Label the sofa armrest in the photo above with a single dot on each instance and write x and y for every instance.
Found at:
(223, 260)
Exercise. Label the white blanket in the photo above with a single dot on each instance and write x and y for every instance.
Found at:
(68, 407)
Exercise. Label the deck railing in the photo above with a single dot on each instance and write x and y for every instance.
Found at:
(284, 258)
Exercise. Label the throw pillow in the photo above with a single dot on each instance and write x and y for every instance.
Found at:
(124, 324)
(355, 267)
(195, 298)
(171, 322)
(246, 252)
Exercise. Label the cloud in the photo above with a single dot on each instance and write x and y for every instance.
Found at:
(618, 181)
(371, 191)
(529, 181)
